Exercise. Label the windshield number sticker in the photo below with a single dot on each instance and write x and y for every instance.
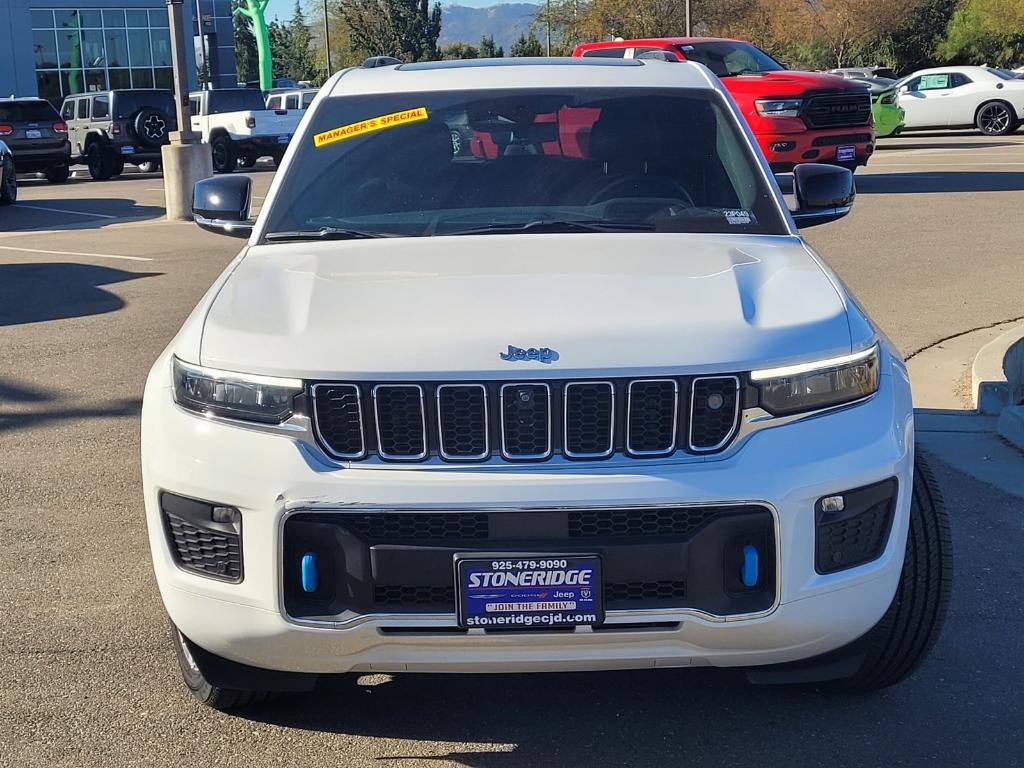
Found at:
(369, 126)
(737, 216)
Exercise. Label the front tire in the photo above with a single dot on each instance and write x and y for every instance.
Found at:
(902, 639)
(149, 166)
(58, 174)
(98, 161)
(223, 699)
(225, 156)
(996, 118)
(9, 188)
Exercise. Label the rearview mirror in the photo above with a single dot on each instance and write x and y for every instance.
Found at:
(823, 193)
(221, 205)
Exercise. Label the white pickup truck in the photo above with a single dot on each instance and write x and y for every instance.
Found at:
(239, 127)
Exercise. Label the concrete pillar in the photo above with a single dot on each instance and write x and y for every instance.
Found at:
(184, 165)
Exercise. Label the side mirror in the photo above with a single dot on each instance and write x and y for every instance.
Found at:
(221, 205)
(823, 193)
(904, 89)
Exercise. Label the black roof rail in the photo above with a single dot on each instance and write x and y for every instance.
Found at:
(380, 61)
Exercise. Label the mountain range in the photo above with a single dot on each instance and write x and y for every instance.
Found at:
(465, 24)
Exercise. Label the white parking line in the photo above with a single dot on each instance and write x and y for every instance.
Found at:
(64, 210)
(74, 253)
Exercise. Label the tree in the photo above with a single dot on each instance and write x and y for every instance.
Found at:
(527, 45)
(849, 28)
(246, 58)
(302, 58)
(459, 51)
(407, 29)
(488, 50)
(983, 32)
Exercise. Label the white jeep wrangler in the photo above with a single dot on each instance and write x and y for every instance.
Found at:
(574, 395)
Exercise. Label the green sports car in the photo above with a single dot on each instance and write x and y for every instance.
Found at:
(885, 112)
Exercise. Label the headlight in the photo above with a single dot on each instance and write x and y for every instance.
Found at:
(889, 97)
(778, 107)
(267, 399)
(821, 384)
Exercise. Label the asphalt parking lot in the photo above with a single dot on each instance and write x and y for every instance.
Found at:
(93, 284)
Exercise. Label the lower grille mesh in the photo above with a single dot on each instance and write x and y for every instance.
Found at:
(208, 552)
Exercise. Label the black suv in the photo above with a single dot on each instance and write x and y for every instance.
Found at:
(37, 136)
(111, 128)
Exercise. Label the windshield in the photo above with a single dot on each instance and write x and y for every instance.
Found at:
(540, 160)
(235, 100)
(729, 57)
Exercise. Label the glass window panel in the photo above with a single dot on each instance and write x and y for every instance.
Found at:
(92, 48)
(158, 18)
(137, 18)
(113, 18)
(96, 79)
(163, 77)
(72, 81)
(66, 18)
(44, 43)
(138, 48)
(161, 48)
(69, 48)
(48, 86)
(142, 78)
(90, 18)
(68, 110)
(42, 19)
(117, 48)
(101, 107)
(119, 78)
(83, 109)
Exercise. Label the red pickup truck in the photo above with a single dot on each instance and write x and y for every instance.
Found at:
(797, 117)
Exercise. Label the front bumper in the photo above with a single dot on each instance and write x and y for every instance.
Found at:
(785, 150)
(271, 478)
(888, 119)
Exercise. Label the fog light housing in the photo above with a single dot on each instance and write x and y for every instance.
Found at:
(853, 528)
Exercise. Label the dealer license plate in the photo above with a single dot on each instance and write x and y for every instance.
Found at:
(846, 152)
(283, 139)
(528, 591)
(33, 134)
(128, 150)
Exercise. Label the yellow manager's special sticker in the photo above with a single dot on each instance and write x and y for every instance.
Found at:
(369, 126)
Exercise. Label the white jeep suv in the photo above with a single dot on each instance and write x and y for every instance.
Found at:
(573, 395)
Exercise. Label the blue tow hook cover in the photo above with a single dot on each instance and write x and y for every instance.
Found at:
(749, 574)
(310, 580)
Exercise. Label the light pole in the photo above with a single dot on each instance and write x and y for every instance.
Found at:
(688, 33)
(202, 45)
(185, 159)
(547, 15)
(327, 38)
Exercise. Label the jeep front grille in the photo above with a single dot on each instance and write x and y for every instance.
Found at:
(462, 422)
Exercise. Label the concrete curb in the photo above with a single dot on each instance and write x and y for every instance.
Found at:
(1010, 425)
(997, 374)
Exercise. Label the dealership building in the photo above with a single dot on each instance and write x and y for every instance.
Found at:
(55, 48)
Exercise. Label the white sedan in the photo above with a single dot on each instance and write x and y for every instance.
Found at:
(960, 97)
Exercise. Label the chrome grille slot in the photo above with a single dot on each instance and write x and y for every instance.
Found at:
(525, 421)
(589, 419)
(398, 410)
(714, 411)
(462, 422)
(652, 416)
(339, 419)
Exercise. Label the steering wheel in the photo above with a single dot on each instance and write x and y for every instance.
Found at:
(651, 186)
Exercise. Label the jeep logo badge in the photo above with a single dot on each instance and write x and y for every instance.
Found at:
(541, 355)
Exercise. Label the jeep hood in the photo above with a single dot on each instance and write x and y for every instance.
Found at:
(445, 307)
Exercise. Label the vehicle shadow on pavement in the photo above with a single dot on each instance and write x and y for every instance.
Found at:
(22, 406)
(34, 293)
(939, 181)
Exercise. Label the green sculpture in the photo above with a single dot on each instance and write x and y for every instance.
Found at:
(254, 9)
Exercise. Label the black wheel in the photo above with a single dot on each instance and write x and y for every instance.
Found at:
(9, 186)
(116, 165)
(149, 166)
(225, 156)
(96, 159)
(996, 118)
(277, 157)
(247, 161)
(901, 640)
(151, 126)
(224, 699)
(58, 174)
